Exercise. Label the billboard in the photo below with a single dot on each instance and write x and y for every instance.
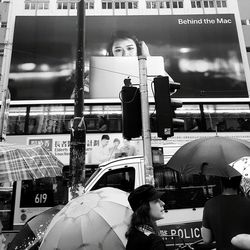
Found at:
(202, 52)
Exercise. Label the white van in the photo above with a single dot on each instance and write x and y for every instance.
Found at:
(184, 195)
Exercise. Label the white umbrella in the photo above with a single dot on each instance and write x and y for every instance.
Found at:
(97, 220)
(242, 165)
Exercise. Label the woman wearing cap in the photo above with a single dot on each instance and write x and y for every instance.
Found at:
(148, 208)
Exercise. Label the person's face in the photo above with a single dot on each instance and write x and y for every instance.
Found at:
(105, 142)
(2, 238)
(156, 209)
(124, 47)
(125, 142)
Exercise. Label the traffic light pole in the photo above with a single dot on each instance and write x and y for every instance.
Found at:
(78, 130)
(146, 133)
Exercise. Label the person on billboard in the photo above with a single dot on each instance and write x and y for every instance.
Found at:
(226, 215)
(127, 149)
(100, 153)
(2, 237)
(124, 44)
(148, 207)
(115, 150)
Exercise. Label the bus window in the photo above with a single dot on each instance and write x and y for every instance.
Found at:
(123, 179)
(185, 191)
(5, 205)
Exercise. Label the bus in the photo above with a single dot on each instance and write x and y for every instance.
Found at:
(48, 123)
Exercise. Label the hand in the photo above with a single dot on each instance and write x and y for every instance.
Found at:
(242, 241)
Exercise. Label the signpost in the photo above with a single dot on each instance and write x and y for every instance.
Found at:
(146, 133)
(78, 130)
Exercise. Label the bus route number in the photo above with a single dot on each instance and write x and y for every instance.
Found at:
(41, 198)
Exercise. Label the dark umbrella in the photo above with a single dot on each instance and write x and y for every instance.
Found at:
(33, 231)
(209, 156)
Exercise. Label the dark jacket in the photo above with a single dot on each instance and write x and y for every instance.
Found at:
(139, 240)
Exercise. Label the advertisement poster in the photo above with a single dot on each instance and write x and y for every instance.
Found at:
(201, 52)
(99, 147)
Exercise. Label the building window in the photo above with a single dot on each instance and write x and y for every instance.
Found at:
(3, 24)
(132, 5)
(40, 6)
(65, 6)
(224, 4)
(167, 4)
(175, 5)
(221, 3)
(151, 5)
(164, 4)
(196, 4)
(107, 5)
(89, 5)
(73, 6)
(69, 4)
(32, 5)
(211, 4)
(178, 4)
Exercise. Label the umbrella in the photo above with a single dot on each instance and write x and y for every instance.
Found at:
(242, 165)
(209, 156)
(33, 231)
(22, 162)
(97, 220)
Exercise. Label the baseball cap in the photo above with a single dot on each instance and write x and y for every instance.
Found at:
(142, 194)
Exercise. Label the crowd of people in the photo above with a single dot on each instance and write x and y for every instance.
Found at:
(226, 218)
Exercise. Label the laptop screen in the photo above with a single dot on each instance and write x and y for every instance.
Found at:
(107, 74)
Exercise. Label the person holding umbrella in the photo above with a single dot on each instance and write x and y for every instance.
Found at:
(148, 208)
(226, 215)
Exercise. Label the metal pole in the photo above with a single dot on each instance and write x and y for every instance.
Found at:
(146, 133)
(5, 71)
(78, 130)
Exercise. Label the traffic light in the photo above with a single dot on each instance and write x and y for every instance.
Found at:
(131, 112)
(165, 106)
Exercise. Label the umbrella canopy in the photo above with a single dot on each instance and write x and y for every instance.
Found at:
(34, 230)
(97, 220)
(22, 162)
(209, 156)
(242, 165)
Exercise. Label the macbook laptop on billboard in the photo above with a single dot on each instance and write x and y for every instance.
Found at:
(107, 74)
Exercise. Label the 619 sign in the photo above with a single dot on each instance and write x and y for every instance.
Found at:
(41, 198)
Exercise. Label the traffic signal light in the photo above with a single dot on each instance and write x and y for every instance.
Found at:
(131, 112)
(165, 106)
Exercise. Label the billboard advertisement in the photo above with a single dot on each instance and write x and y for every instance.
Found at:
(201, 52)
